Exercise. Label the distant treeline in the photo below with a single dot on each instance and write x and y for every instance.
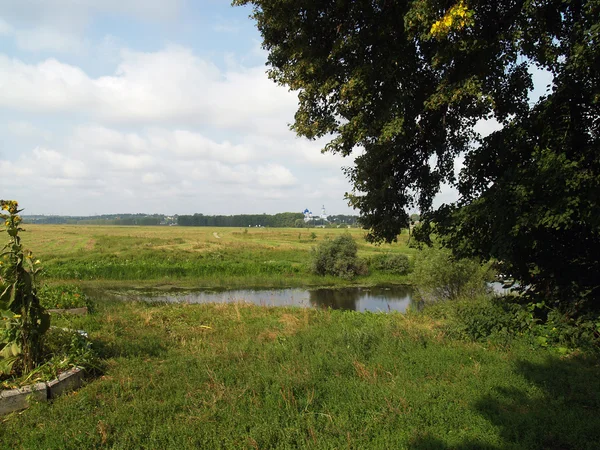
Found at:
(240, 220)
(106, 219)
(281, 220)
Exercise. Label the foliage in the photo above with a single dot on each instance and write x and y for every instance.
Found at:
(391, 262)
(65, 348)
(338, 257)
(456, 19)
(439, 276)
(504, 319)
(24, 319)
(407, 81)
(63, 297)
(62, 349)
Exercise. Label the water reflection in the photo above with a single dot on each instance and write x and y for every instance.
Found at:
(397, 298)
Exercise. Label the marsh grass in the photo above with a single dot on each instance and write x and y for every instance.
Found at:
(239, 376)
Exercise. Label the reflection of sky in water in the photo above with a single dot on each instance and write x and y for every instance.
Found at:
(358, 299)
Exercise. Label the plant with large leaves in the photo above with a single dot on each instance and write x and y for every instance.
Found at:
(24, 321)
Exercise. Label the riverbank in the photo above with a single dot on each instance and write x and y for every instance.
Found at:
(242, 376)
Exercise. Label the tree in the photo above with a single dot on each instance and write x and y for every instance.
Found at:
(407, 80)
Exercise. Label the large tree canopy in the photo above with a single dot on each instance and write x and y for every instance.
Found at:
(406, 81)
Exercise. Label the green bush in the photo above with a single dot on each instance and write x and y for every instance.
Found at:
(566, 332)
(438, 276)
(484, 317)
(338, 257)
(391, 263)
(63, 296)
(503, 319)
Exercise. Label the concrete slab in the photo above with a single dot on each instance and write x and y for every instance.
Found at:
(66, 381)
(17, 399)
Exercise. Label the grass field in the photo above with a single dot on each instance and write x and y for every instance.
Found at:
(209, 257)
(239, 376)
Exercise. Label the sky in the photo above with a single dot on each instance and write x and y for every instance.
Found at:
(151, 106)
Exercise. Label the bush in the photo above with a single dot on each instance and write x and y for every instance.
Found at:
(438, 276)
(63, 296)
(503, 319)
(484, 317)
(338, 257)
(391, 263)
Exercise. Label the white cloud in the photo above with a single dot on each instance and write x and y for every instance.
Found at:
(102, 164)
(24, 129)
(189, 145)
(125, 163)
(154, 178)
(172, 85)
(275, 175)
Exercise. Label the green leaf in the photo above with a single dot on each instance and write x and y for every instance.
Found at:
(6, 364)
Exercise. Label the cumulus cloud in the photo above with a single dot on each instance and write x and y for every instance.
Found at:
(172, 85)
(101, 164)
(24, 129)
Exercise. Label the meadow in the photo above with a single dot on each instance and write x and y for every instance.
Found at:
(241, 376)
(194, 256)
(178, 376)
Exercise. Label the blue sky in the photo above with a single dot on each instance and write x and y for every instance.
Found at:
(156, 106)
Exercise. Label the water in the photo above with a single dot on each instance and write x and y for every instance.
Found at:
(397, 298)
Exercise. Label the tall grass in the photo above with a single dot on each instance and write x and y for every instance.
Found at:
(239, 376)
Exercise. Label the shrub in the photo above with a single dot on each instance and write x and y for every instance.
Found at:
(338, 257)
(391, 263)
(63, 296)
(502, 319)
(439, 276)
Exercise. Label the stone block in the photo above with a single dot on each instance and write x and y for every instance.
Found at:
(66, 381)
(17, 399)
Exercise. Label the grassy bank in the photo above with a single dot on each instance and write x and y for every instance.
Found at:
(208, 257)
(238, 376)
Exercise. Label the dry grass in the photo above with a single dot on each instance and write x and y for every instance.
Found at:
(64, 240)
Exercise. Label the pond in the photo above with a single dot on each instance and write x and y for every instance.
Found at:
(396, 298)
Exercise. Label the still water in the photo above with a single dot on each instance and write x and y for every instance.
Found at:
(397, 298)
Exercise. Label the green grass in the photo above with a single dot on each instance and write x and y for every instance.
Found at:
(239, 376)
(209, 257)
